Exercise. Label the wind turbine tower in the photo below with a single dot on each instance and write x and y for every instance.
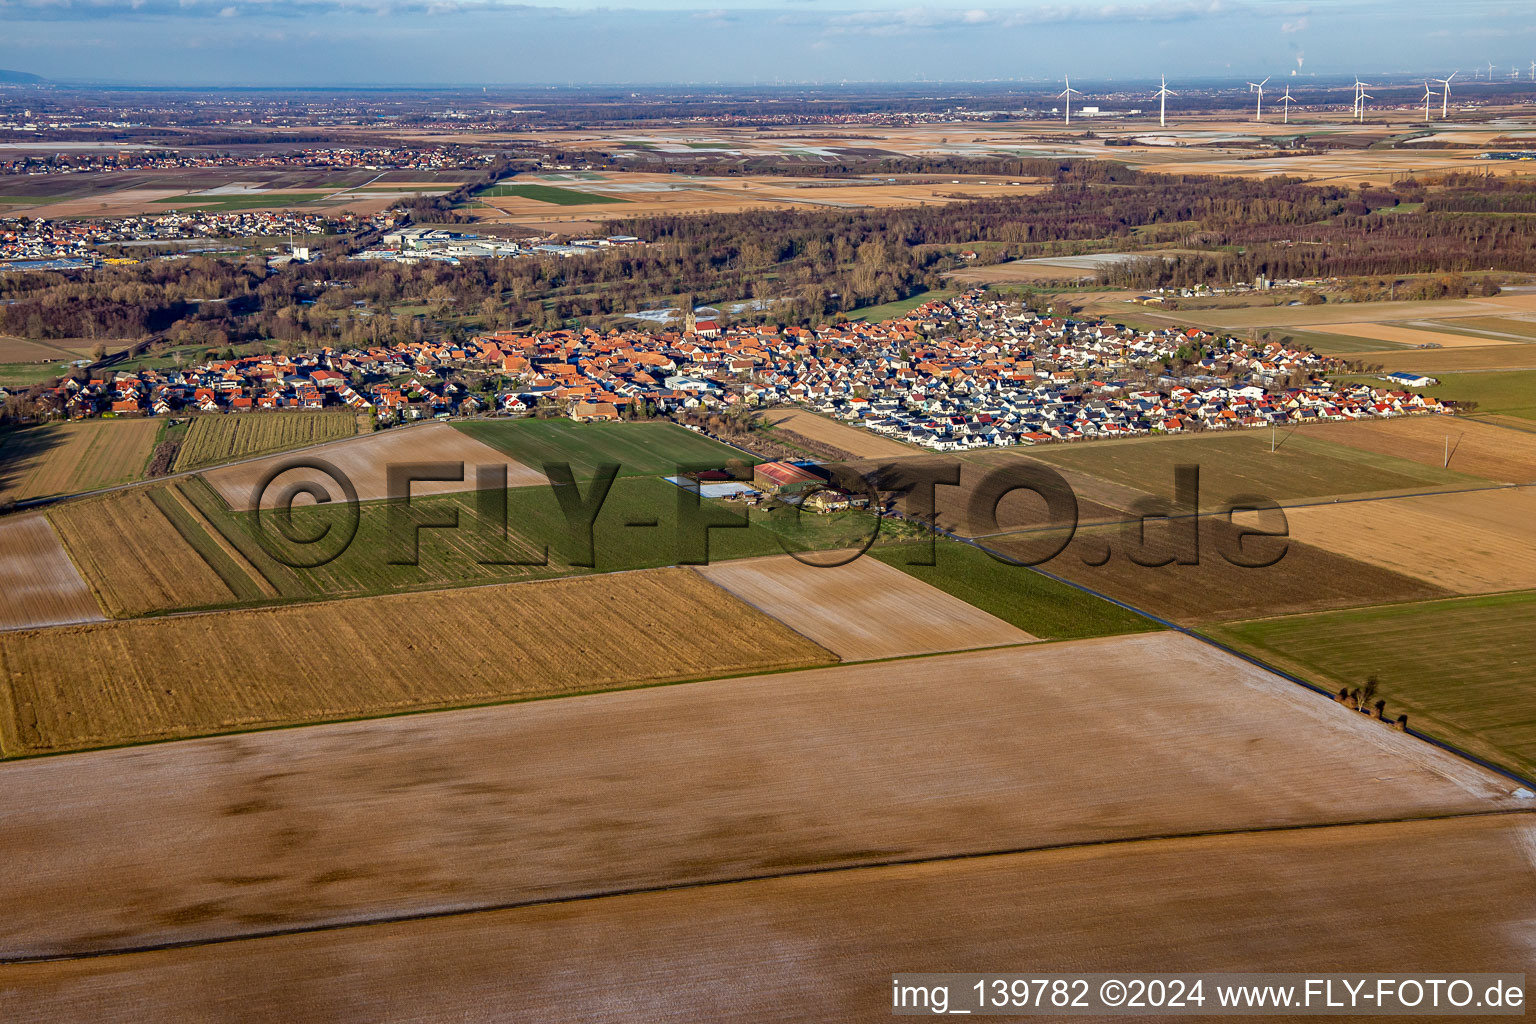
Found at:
(1445, 97)
(1068, 93)
(1162, 103)
(1426, 102)
(1258, 112)
(1286, 99)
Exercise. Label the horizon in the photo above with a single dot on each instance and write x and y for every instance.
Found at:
(338, 44)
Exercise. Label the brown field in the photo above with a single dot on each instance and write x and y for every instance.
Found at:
(1434, 360)
(39, 586)
(1472, 543)
(72, 688)
(365, 460)
(22, 350)
(1343, 315)
(1306, 578)
(1482, 449)
(1010, 749)
(856, 441)
(1408, 335)
(863, 610)
(133, 556)
(654, 193)
(1454, 891)
(69, 458)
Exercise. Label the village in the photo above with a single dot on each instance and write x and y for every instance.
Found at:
(967, 372)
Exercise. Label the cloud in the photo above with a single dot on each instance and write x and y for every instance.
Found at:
(1292, 27)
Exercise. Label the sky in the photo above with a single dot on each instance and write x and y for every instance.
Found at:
(496, 42)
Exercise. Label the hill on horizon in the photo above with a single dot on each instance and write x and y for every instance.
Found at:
(8, 77)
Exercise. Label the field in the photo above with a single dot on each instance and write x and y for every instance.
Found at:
(1404, 334)
(1223, 903)
(1045, 607)
(862, 610)
(548, 194)
(69, 458)
(134, 557)
(1508, 393)
(1461, 669)
(23, 350)
(899, 308)
(38, 584)
(1038, 746)
(216, 439)
(235, 202)
(1436, 361)
(640, 449)
(1304, 578)
(1481, 449)
(366, 461)
(1241, 463)
(856, 441)
(68, 688)
(1469, 543)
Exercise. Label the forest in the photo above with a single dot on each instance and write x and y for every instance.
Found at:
(813, 265)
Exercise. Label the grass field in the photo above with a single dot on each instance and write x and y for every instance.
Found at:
(1241, 463)
(901, 307)
(1035, 603)
(70, 688)
(1496, 392)
(228, 203)
(1463, 670)
(640, 449)
(23, 375)
(550, 194)
(68, 458)
(135, 558)
(216, 439)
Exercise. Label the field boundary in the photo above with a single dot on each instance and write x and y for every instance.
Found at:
(877, 864)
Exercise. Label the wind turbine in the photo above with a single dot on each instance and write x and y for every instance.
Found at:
(1162, 105)
(1068, 93)
(1445, 97)
(1426, 102)
(1258, 113)
(1286, 99)
(1533, 70)
(1491, 66)
(1359, 92)
(1363, 97)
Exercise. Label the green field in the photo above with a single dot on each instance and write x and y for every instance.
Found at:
(227, 203)
(652, 448)
(1496, 392)
(1463, 670)
(636, 528)
(550, 194)
(1234, 463)
(224, 437)
(23, 375)
(1036, 604)
(892, 310)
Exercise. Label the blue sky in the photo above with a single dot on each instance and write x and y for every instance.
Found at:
(409, 42)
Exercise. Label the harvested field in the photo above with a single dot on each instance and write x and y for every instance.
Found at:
(1461, 669)
(1407, 335)
(216, 439)
(1267, 901)
(1482, 449)
(1305, 578)
(23, 350)
(70, 688)
(134, 557)
(1476, 542)
(68, 458)
(862, 610)
(856, 441)
(1364, 313)
(39, 586)
(1125, 738)
(1235, 463)
(1438, 360)
(366, 461)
